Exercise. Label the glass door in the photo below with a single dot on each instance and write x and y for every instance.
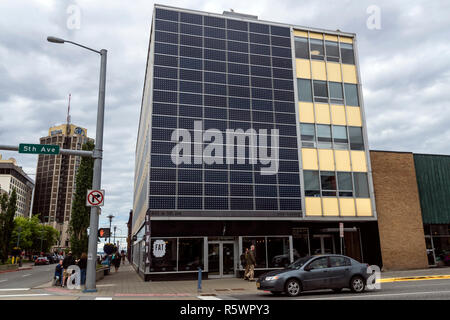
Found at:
(214, 259)
(221, 259)
(322, 244)
(228, 259)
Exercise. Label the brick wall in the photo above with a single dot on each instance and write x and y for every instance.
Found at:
(400, 224)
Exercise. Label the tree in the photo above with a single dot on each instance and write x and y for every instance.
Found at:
(31, 232)
(80, 217)
(8, 207)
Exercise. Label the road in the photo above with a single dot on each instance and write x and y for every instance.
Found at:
(27, 279)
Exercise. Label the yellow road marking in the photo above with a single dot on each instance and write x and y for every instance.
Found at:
(414, 278)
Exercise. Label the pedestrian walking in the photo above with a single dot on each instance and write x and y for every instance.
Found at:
(252, 263)
(116, 260)
(82, 264)
(244, 257)
(67, 262)
(122, 253)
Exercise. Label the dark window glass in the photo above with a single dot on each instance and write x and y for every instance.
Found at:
(304, 90)
(281, 42)
(214, 33)
(191, 18)
(236, 114)
(161, 134)
(238, 80)
(282, 73)
(190, 175)
(339, 262)
(191, 29)
(345, 184)
(316, 49)
(340, 137)
(241, 204)
(215, 124)
(259, 116)
(280, 31)
(260, 49)
(288, 142)
(239, 190)
(191, 52)
(165, 84)
(351, 94)
(236, 91)
(320, 89)
(162, 147)
(215, 203)
(220, 190)
(163, 174)
(290, 191)
(264, 179)
(188, 98)
(162, 72)
(288, 154)
(285, 118)
(287, 130)
(237, 46)
(264, 105)
(281, 52)
(283, 84)
(215, 113)
(238, 57)
(190, 63)
(261, 71)
(266, 191)
(290, 204)
(320, 263)
(259, 38)
(301, 48)
(166, 15)
(356, 138)
(190, 189)
(166, 48)
(324, 136)
(284, 107)
(164, 161)
(165, 109)
(308, 135)
(215, 66)
(164, 122)
(162, 202)
(289, 166)
(215, 89)
(189, 202)
(190, 75)
(239, 103)
(347, 54)
(238, 36)
(241, 177)
(336, 95)
(238, 68)
(260, 60)
(191, 41)
(328, 182)
(216, 101)
(214, 22)
(283, 95)
(259, 28)
(288, 178)
(166, 37)
(190, 111)
(266, 204)
(190, 254)
(261, 82)
(261, 93)
(215, 43)
(163, 60)
(216, 176)
(214, 55)
(282, 63)
(186, 123)
(312, 187)
(361, 185)
(194, 87)
(164, 96)
(215, 77)
(332, 49)
(237, 25)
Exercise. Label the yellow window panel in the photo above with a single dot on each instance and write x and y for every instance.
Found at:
(314, 35)
(330, 37)
(322, 113)
(363, 208)
(330, 207)
(342, 160)
(346, 40)
(338, 115)
(334, 71)
(318, 70)
(309, 159)
(306, 111)
(299, 33)
(313, 206)
(326, 160)
(354, 117)
(349, 73)
(359, 163)
(347, 206)
(303, 68)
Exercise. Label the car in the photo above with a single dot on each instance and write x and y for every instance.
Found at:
(41, 261)
(329, 271)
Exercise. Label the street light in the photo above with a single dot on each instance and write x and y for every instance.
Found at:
(110, 217)
(97, 156)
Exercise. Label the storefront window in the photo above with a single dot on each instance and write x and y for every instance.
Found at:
(163, 255)
(190, 254)
(278, 252)
(260, 249)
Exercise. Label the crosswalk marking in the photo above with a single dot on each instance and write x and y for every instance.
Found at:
(15, 289)
(23, 295)
(103, 298)
(208, 298)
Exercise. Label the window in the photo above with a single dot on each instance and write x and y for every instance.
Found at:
(361, 185)
(356, 138)
(304, 90)
(340, 139)
(190, 254)
(345, 184)
(347, 53)
(332, 51)
(339, 262)
(328, 181)
(323, 136)
(164, 255)
(308, 135)
(320, 91)
(351, 94)
(316, 49)
(301, 48)
(336, 95)
(278, 252)
(320, 263)
(260, 249)
(312, 188)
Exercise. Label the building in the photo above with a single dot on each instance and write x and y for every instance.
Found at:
(13, 177)
(55, 179)
(214, 85)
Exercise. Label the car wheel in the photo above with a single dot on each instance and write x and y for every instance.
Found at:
(357, 284)
(293, 287)
(337, 290)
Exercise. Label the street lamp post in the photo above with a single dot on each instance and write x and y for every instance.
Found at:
(110, 217)
(97, 172)
(115, 227)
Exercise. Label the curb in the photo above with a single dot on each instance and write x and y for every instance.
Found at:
(416, 278)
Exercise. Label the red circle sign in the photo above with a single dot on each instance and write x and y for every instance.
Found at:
(95, 198)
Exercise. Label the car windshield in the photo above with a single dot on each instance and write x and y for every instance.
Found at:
(298, 263)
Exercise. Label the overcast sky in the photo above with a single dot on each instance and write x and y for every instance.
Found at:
(404, 61)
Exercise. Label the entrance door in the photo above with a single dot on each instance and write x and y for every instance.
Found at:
(221, 259)
(322, 244)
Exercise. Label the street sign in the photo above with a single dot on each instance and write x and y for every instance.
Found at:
(95, 198)
(104, 232)
(38, 148)
(341, 229)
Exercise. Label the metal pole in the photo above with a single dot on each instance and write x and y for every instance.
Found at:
(115, 234)
(97, 175)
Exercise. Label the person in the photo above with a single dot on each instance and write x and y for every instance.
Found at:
(59, 273)
(244, 257)
(252, 263)
(116, 260)
(122, 253)
(82, 264)
(67, 262)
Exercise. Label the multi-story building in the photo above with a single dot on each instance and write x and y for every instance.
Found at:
(55, 179)
(209, 75)
(13, 177)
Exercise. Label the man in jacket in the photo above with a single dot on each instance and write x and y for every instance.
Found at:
(252, 263)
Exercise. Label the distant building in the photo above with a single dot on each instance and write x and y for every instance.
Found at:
(55, 179)
(12, 176)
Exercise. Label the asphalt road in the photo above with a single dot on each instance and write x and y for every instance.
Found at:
(37, 276)
(408, 290)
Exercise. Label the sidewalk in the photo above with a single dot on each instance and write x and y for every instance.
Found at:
(418, 273)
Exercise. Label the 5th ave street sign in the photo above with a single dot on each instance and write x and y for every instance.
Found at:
(38, 148)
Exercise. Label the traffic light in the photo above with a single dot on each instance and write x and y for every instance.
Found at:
(104, 232)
